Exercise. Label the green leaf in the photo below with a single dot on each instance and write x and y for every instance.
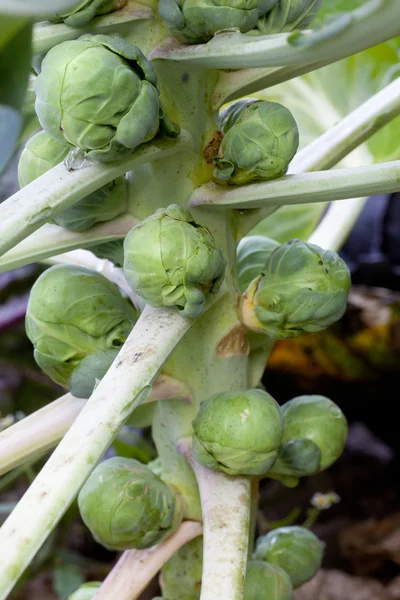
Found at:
(15, 60)
(67, 579)
(288, 222)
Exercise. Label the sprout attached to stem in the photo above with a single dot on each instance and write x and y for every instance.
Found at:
(126, 506)
(181, 576)
(86, 10)
(238, 432)
(265, 580)
(301, 288)
(169, 260)
(295, 549)
(77, 321)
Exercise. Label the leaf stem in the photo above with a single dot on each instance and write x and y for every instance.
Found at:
(225, 503)
(321, 186)
(125, 385)
(136, 568)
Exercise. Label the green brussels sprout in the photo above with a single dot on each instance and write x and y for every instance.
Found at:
(85, 591)
(181, 575)
(301, 288)
(169, 260)
(295, 549)
(192, 21)
(258, 146)
(238, 432)
(98, 93)
(113, 251)
(41, 153)
(77, 320)
(86, 10)
(287, 15)
(252, 253)
(266, 581)
(126, 506)
(319, 420)
(296, 459)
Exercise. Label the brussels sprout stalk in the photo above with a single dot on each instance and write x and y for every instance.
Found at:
(128, 383)
(43, 429)
(225, 503)
(136, 568)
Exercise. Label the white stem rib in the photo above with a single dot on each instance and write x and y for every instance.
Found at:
(122, 389)
(136, 568)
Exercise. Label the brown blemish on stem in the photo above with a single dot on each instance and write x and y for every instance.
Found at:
(234, 344)
(211, 150)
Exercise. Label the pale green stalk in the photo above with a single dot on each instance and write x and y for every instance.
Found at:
(334, 229)
(225, 503)
(34, 205)
(125, 385)
(136, 568)
(51, 240)
(321, 186)
(42, 430)
(30, 9)
(46, 35)
(374, 22)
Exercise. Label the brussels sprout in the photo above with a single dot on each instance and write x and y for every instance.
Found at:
(77, 320)
(113, 251)
(259, 145)
(169, 260)
(238, 432)
(266, 581)
(230, 114)
(181, 575)
(319, 420)
(301, 288)
(252, 253)
(99, 93)
(287, 15)
(41, 153)
(86, 591)
(192, 21)
(296, 459)
(86, 10)
(295, 549)
(126, 506)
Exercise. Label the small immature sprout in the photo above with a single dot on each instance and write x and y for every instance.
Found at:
(99, 93)
(238, 432)
(260, 140)
(319, 420)
(302, 288)
(288, 15)
(295, 549)
(41, 153)
(266, 581)
(252, 253)
(86, 10)
(170, 260)
(77, 321)
(181, 576)
(194, 22)
(125, 505)
(86, 591)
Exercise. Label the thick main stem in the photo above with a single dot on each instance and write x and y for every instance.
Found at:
(225, 503)
(136, 568)
(122, 389)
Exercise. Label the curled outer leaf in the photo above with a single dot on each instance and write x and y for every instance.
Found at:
(41, 153)
(252, 253)
(192, 21)
(85, 591)
(319, 420)
(169, 260)
(295, 549)
(77, 320)
(287, 15)
(125, 505)
(86, 10)
(259, 144)
(99, 93)
(264, 580)
(238, 432)
(301, 288)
